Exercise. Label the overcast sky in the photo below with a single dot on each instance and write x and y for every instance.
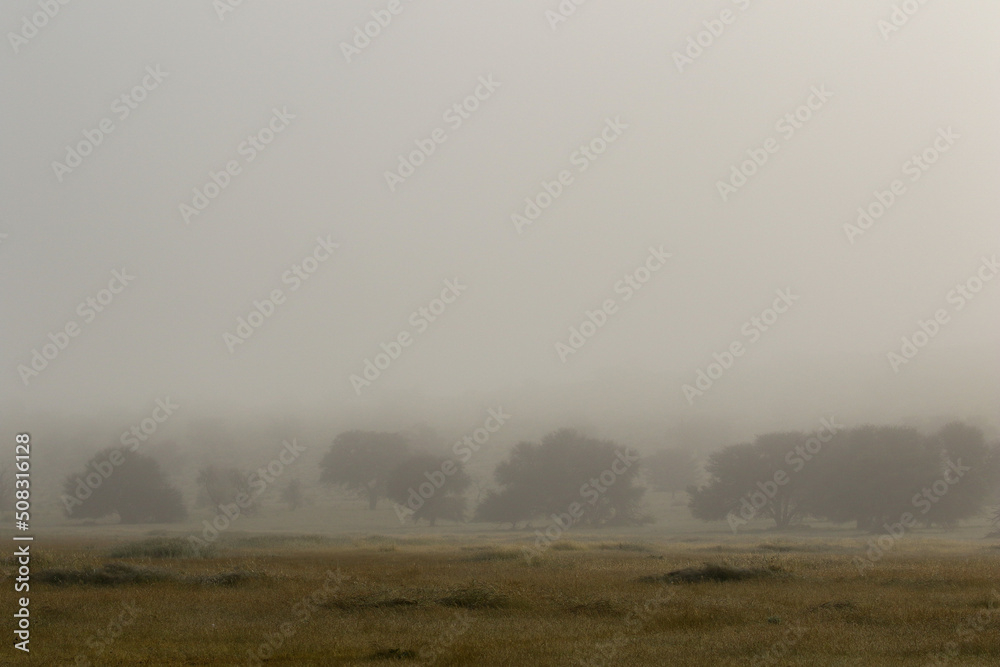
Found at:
(654, 196)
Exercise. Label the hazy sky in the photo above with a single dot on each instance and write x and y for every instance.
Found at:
(337, 122)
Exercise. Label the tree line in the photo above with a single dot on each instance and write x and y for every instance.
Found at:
(869, 475)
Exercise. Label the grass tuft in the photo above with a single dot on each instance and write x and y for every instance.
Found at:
(708, 572)
(624, 546)
(488, 554)
(110, 574)
(160, 547)
(393, 654)
(476, 596)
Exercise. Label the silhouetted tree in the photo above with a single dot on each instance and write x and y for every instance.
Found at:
(565, 471)
(968, 468)
(120, 481)
(362, 461)
(751, 480)
(873, 475)
(502, 507)
(431, 487)
(293, 494)
(670, 470)
(222, 486)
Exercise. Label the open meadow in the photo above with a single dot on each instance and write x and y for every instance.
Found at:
(469, 595)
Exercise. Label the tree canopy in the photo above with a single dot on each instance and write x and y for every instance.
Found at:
(119, 481)
(540, 479)
(362, 461)
(871, 475)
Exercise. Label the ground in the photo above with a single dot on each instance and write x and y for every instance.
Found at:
(471, 595)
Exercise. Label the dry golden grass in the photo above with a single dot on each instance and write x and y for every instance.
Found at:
(421, 600)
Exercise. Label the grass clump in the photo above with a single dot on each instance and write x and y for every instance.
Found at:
(227, 579)
(475, 596)
(708, 572)
(488, 554)
(160, 547)
(109, 574)
(393, 654)
(623, 546)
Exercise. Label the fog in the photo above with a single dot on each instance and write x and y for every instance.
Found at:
(610, 122)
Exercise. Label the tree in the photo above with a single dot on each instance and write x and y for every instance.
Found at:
(969, 469)
(119, 481)
(222, 486)
(293, 494)
(670, 470)
(431, 487)
(362, 461)
(743, 482)
(870, 475)
(502, 507)
(567, 471)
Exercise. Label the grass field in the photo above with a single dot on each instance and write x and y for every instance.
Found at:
(476, 599)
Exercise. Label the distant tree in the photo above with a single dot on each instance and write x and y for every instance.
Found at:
(222, 486)
(120, 481)
(567, 470)
(431, 487)
(362, 461)
(502, 507)
(670, 470)
(968, 469)
(995, 520)
(743, 485)
(874, 475)
(293, 494)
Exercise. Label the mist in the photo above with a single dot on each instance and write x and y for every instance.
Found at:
(235, 229)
